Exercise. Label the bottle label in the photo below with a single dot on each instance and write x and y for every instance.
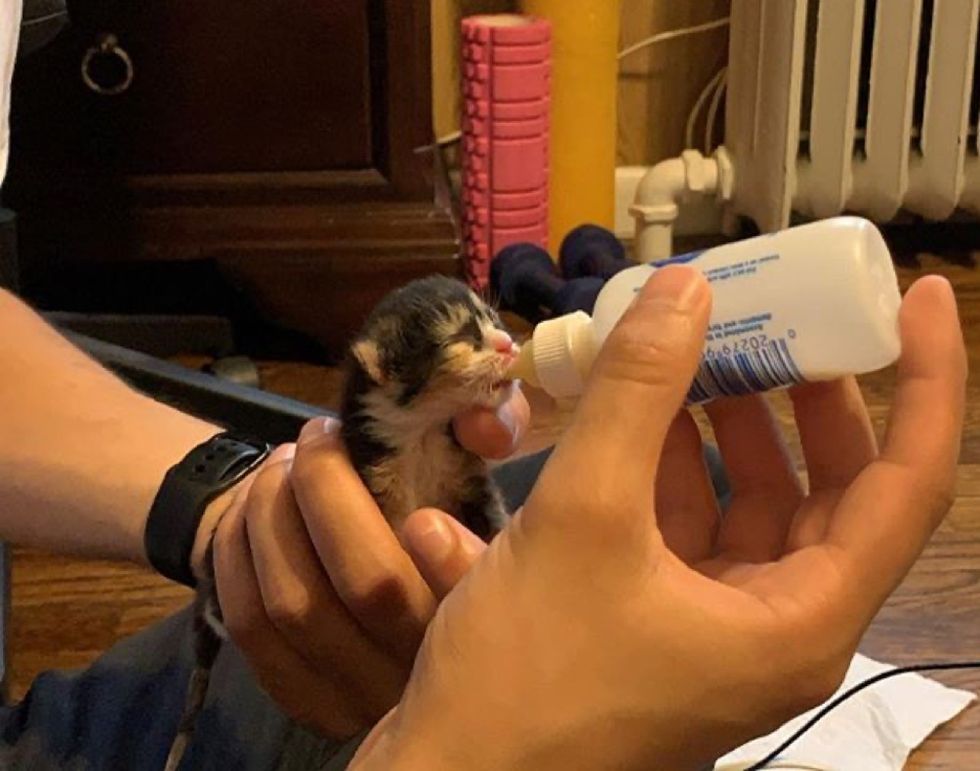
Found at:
(741, 355)
(754, 363)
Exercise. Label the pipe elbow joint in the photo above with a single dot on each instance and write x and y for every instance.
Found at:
(658, 191)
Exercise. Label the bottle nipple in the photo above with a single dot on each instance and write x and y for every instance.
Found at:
(558, 356)
(523, 368)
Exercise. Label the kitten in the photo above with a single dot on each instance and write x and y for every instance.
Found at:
(427, 352)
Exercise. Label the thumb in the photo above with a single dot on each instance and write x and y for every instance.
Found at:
(638, 383)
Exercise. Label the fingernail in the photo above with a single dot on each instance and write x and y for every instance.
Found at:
(316, 428)
(678, 285)
(433, 541)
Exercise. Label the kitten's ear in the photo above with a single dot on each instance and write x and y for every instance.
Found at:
(367, 354)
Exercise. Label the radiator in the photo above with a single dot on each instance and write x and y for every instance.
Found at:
(866, 106)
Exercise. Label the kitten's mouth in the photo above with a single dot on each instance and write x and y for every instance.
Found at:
(499, 385)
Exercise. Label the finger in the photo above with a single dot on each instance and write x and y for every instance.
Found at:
(442, 548)
(885, 518)
(283, 673)
(766, 491)
(687, 511)
(372, 574)
(611, 451)
(835, 431)
(494, 434)
(301, 603)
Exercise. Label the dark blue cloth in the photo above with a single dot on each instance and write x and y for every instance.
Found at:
(121, 712)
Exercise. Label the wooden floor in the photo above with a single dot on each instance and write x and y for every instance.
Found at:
(65, 612)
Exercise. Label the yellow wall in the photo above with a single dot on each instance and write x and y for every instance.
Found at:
(657, 86)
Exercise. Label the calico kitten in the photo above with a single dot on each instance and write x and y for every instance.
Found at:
(427, 352)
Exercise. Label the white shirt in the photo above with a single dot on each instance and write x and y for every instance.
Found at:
(10, 11)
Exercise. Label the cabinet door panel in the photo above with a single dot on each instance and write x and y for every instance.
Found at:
(218, 86)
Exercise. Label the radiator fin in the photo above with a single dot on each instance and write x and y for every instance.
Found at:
(875, 110)
(936, 173)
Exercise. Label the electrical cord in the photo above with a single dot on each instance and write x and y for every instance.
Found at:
(660, 37)
(709, 123)
(834, 703)
(692, 116)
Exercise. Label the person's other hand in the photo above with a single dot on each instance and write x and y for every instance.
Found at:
(581, 640)
(314, 586)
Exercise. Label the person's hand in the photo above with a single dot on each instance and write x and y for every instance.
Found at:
(580, 639)
(315, 588)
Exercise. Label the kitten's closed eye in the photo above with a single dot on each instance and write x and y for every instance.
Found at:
(470, 333)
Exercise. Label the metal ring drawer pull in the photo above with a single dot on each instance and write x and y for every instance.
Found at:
(107, 45)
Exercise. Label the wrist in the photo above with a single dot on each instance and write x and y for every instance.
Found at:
(192, 498)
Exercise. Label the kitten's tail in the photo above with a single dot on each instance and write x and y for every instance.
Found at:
(207, 643)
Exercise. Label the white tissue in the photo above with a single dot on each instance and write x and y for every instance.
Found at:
(875, 730)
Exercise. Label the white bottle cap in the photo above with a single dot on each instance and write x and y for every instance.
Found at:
(559, 355)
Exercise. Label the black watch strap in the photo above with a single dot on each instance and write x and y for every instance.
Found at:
(204, 473)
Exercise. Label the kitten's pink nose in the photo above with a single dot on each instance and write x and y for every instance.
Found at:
(501, 342)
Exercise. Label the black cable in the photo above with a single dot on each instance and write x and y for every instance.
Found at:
(832, 705)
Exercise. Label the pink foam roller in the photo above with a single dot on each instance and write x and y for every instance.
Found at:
(513, 129)
(518, 218)
(512, 201)
(522, 54)
(506, 80)
(518, 165)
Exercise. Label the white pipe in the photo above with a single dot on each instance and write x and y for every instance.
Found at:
(666, 184)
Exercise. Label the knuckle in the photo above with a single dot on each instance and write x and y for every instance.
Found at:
(939, 496)
(291, 610)
(933, 490)
(379, 595)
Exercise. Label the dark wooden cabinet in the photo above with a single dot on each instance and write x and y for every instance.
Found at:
(274, 138)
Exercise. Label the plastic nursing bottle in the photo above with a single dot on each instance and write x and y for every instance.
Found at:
(814, 302)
